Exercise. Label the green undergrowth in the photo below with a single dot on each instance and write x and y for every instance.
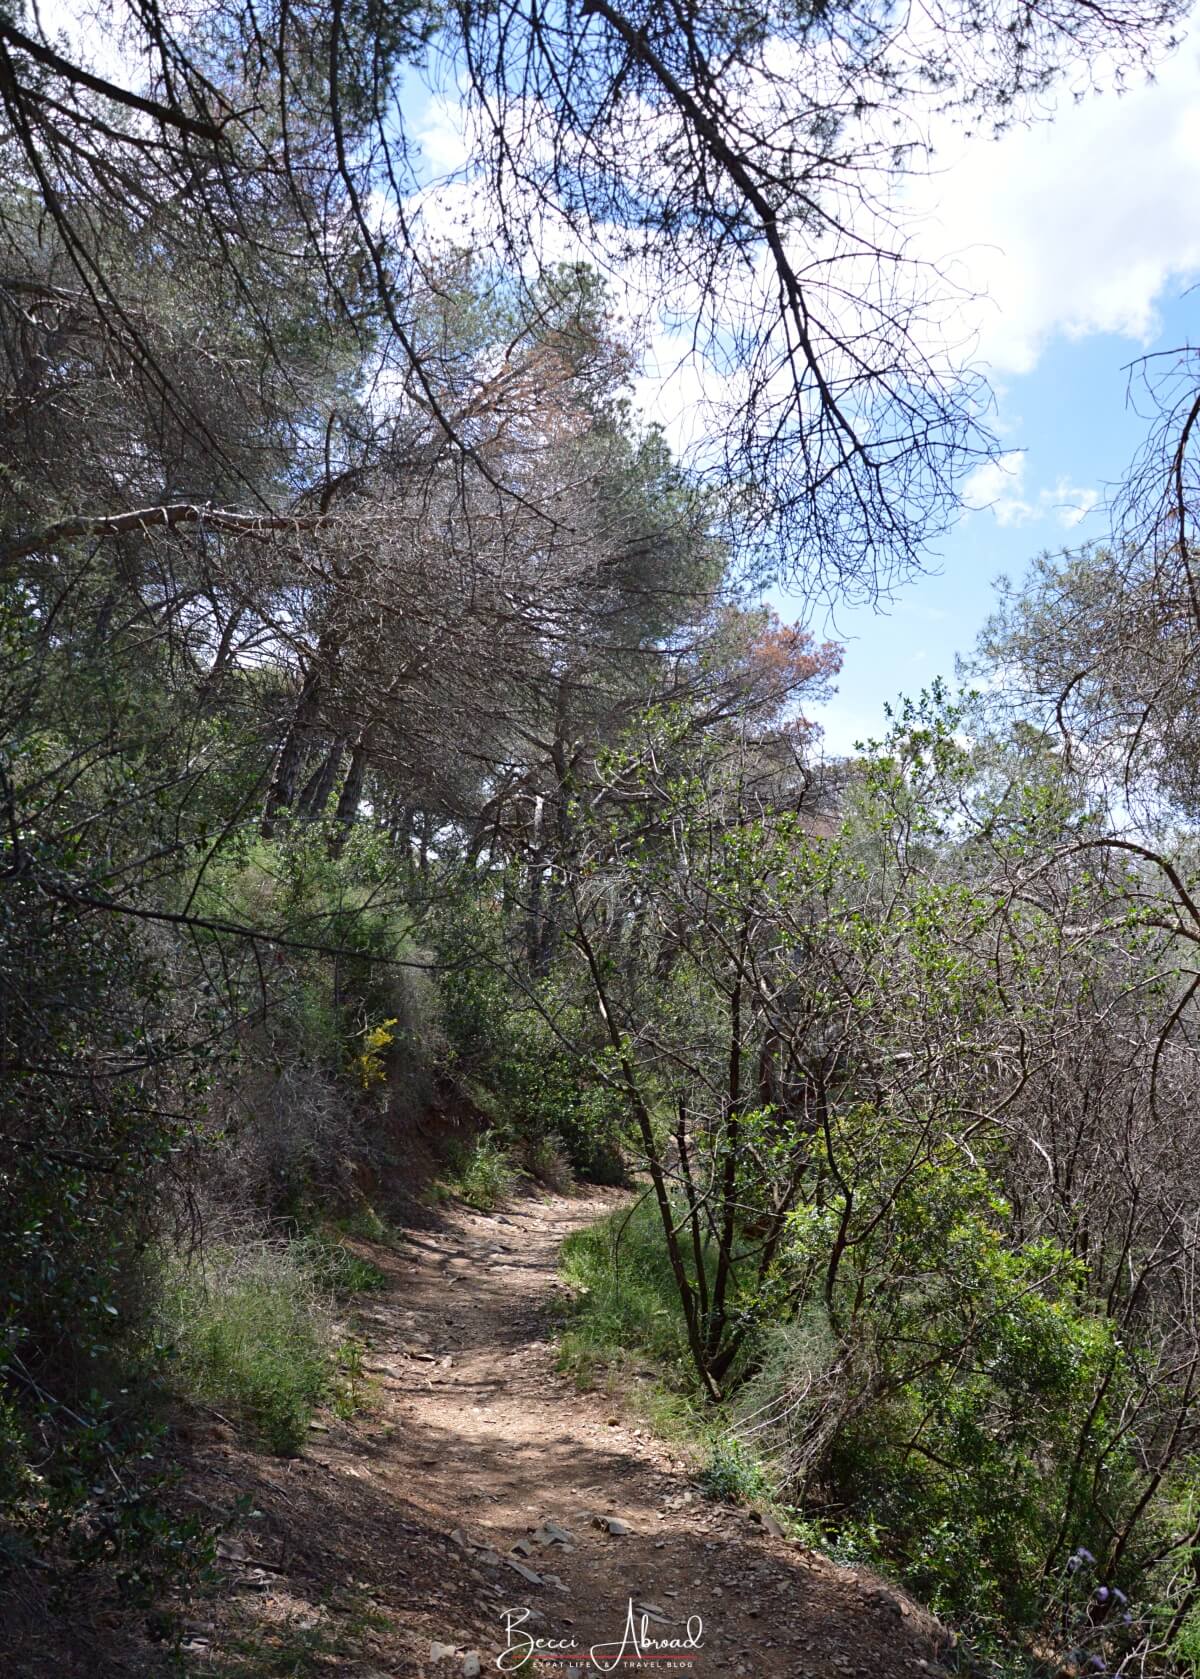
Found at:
(624, 1333)
(251, 1334)
(626, 1303)
(482, 1173)
(626, 1308)
(336, 1267)
(367, 1224)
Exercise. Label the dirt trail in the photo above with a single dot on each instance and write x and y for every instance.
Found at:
(387, 1549)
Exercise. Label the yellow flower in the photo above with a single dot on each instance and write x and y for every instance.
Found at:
(369, 1061)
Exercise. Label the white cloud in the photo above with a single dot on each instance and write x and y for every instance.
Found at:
(999, 487)
(1069, 503)
(443, 137)
(1082, 225)
(1065, 228)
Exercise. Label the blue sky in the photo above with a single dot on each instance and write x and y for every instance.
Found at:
(1070, 419)
(1074, 241)
(1083, 238)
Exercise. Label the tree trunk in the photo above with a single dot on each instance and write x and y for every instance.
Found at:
(311, 805)
(662, 1196)
(533, 913)
(729, 1177)
(346, 814)
(282, 792)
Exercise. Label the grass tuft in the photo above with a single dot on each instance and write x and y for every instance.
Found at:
(252, 1335)
(626, 1304)
(481, 1173)
(336, 1268)
(365, 1223)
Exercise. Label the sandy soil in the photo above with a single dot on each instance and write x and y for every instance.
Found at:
(479, 1489)
(485, 1489)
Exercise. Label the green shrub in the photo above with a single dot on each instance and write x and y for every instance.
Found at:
(732, 1474)
(481, 1173)
(626, 1303)
(81, 1182)
(495, 1040)
(350, 1384)
(336, 1267)
(950, 1433)
(251, 1338)
(967, 1436)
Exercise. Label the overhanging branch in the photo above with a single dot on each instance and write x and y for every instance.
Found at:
(150, 518)
(50, 60)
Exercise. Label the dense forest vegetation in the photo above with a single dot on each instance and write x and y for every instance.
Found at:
(390, 721)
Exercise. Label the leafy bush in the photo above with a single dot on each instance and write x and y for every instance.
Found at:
(481, 1173)
(540, 1090)
(82, 1150)
(952, 1425)
(967, 1432)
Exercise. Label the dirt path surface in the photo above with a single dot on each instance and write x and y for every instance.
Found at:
(482, 1483)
